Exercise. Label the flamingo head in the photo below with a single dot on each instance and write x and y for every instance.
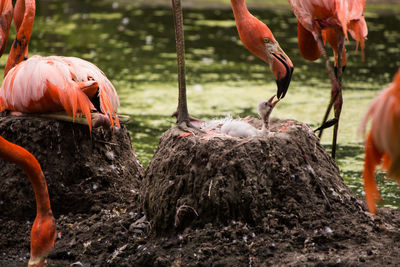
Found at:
(6, 14)
(265, 108)
(280, 64)
(43, 238)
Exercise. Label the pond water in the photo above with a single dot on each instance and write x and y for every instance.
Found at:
(135, 47)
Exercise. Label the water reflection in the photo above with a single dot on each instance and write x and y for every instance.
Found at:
(136, 49)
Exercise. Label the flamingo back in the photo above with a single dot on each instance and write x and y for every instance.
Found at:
(47, 84)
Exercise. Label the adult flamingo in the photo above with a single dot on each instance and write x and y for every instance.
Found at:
(43, 233)
(258, 39)
(49, 84)
(320, 20)
(383, 140)
(262, 44)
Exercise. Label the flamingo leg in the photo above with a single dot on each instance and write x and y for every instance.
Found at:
(338, 100)
(332, 77)
(182, 111)
(336, 92)
(338, 109)
(328, 110)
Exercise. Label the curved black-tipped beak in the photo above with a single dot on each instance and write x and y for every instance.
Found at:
(283, 83)
(281, 66)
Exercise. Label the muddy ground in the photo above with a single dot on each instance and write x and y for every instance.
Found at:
(275, 200)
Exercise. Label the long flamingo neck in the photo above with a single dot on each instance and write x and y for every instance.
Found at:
(5, 6)
(239, 9)
(6, 11)
(28, 163)
(24, 16)
(265, 126)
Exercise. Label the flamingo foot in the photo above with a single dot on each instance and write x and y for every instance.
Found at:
(188, 127)
(326, 125)
(194, 121)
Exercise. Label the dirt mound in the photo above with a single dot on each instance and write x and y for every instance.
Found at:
(265, 200)
(285, 179)
(85, 173)
(217, 202)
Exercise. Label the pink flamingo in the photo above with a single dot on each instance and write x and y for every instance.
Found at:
(330, 20)
(382, 144)
(258, 39)
(49, 84)
(43, 233)
(262, 43)
(45, 84)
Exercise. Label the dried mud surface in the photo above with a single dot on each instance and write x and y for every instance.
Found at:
(264, 201)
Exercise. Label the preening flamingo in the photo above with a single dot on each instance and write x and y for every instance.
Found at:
(320, 20)
(383, 140)
(49, 84)
(43, 233)
(258, 39)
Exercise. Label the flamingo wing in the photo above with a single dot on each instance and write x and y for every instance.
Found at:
(304, 12)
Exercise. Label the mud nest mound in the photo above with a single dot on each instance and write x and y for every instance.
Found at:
(285, 178)
(264, 200)
(87, 174)
(211, 202)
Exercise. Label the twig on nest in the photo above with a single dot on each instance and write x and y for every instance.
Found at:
(184, 212)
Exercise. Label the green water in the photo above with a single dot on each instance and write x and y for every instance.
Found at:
(135, 47)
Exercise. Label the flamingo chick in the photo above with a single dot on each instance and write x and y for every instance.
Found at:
(383, 140)
(238, 127)
(50, 84)
(43, 233)
(258, 39)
